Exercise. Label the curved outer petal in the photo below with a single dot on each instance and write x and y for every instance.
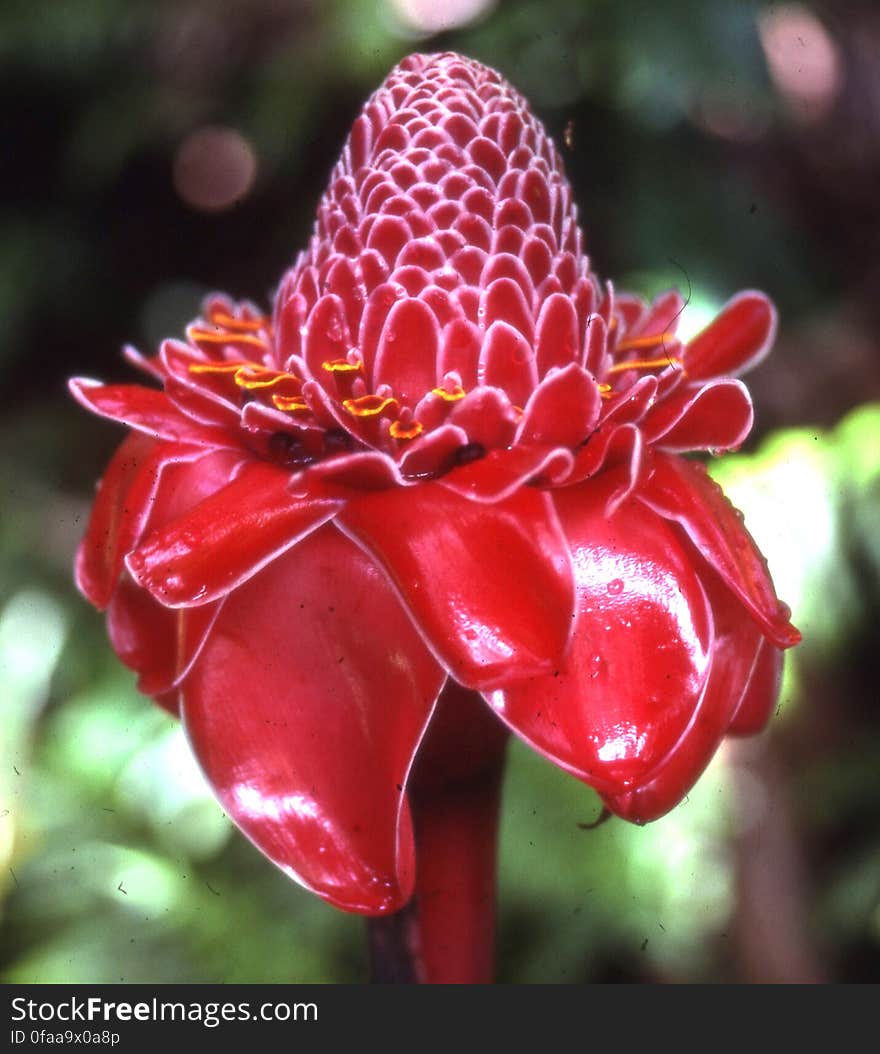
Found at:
(489, 585)
(736, 653)
(622, 455)
(147, 484)
(717, 416)
(681, 490)
(631, 405)
(761, 694)
(158, 643)
(432, 453)
(305, 709)
(735, 341)
(116, 520)
(501, 473)
(146, 410)
(226, 538)
(639, 660)
(198, 397)
(360, 470)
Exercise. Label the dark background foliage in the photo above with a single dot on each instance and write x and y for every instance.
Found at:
(153, 151)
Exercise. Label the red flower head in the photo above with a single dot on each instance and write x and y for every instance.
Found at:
(448, 458)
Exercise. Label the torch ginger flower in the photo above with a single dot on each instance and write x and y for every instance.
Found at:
(437, 495)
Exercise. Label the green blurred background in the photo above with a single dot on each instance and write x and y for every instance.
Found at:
(153, 151)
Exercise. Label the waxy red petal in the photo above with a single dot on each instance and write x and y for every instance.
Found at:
(735, 341)
(631, 313)
(326, 339)
(160, 644)
(152, 491)
(406, 358)
(563, 410)
(487, 416)
(226, 538)
(289, 317)
(502, 472)
(623, 457)
(716, 416)
(761, 694)
(682, 490)
(596, 355)
(611, 710)
(433, 453)
(148, 483)
(489, 586)
(503, 301)
(305, 709)
(203, 397)
(556, 334)
(460, 351)
(362, 470)
(115, 522)
(631, 404)
(507, 362)
(146, 410)
(148, 365)
(663, 314)
(380, 302)
(735, 656)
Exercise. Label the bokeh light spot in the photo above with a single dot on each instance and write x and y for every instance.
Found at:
(214, 168)
(802, 58)
(424, 17)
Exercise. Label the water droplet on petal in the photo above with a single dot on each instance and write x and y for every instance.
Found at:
(597, 665)
(615, 587)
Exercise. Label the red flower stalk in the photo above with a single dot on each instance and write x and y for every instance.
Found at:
(437, 495)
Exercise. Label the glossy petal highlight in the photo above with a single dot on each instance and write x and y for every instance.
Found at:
(311, 753)
(682, 491)
(489, 585)
(226, 538)
(640, 657)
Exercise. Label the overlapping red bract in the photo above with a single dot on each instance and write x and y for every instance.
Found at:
(448, 453)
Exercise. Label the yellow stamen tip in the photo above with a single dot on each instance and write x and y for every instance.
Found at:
(252, 376)
(397, 430)
(449, 396)
(368, 405)
(216, 367)
(205, 336)
(290, 403)
(340, 366)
